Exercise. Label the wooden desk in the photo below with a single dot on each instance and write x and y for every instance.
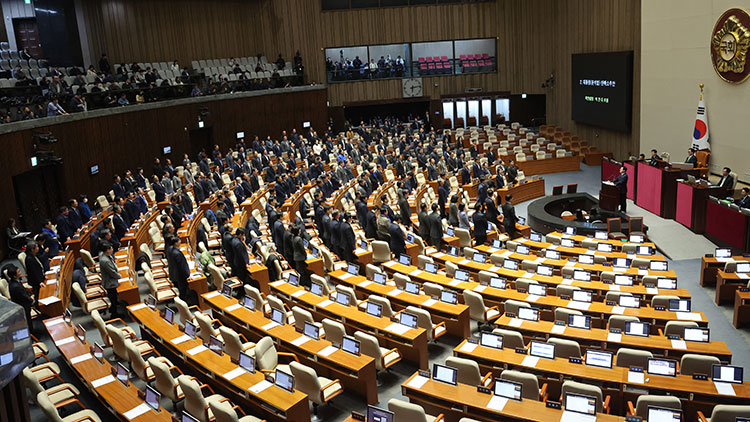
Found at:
(575, 251)
(741, 308)
(657, 188)
(412, 344)
(547, 165)
(727, 284)
(272, 403)
(357, 373)
(54, 294)
(84, 233)
(691, 204)
(727, 225)
(456, 317)
(115, 396)
(524, 191)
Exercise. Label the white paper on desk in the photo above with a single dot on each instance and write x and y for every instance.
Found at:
(724, 388)
(566, 282)
(506, 254)
(122, 269)
(463, 262)
(636, 377)
(540, 260)
(619, 269)
(553, 247)
(197, 349)
(394, 292)
(557, 329)
(64, 341)
(532, 298)
(688, 316)
(102, 381)
(298, 293)
(590, 252)
(268, 326)
(497, 403)
(299, 341)
(234, 307)
(569, 264)
(137, 307)
(576, 417)
(515, 322)
(492, 250)
(397, 328)
(48, 300)
(652, 290)
(454, 282)
(82, 358)
(724, 260)
(415, 272)
(181, 339)
(527, 275)
(618, 310)
(530, 361)
(365, 283)
(438, 254)
(679, 344)
(614, 337)
(360, 251)
(479, 288)
(581, 306)
(468, 347)
(54, 322)
(642, 272)
(324, 303)
(429, 302)
(417, 382)
(614, 288)
(345, 276)
(137, 411)
(278, 283)
(327, 351)
(743, 276)
(211, 294)
(257, 388)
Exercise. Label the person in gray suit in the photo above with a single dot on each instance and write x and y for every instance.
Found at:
(110, 277)
(436, 228)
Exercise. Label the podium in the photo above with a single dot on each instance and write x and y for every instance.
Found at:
(691, 203)
(657, 188)
(609, 197)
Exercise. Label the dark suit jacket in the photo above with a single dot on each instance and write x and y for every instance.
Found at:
(120, 226)
(404, 210)
(726, 182)
(300, 254)
(424, 224)
(239, 256)
(480, 226)
(509, 217)
(397, 242)
(348, 241)
(436, 226)
(161, 193)
(622, 182)
(179, 271)
(371, 226)
(465, 176)
(119, 190)
(34, 270)
(692, 159)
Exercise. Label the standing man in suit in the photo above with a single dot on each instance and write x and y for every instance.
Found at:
(443, 189)
(727, 181)
(300, 255)
(117, 188)
(691, 158)
(509, 217)
(120, 226)
(241, 259)
(396, 242)
(334, 234)
(480, 224)
(404, 209)
(110, 277)
(348, 240)
(424, 224)
(622, 183)
(436, 228)
(161, 193)
(65, 229)
(19, 294)
(511, 172)
(179, 271)
(34, 269)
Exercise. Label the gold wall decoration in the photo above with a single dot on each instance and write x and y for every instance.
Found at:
(730, 40)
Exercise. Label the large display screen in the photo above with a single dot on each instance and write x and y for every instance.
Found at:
(602, 89)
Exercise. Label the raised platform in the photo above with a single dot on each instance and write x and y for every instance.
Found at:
(543, 215)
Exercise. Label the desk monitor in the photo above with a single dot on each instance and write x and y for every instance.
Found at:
(315, 252)
(497, 283)
(567, 243)
(580, 404)
(187, 417)
(151, 301)
(599, 358)
(663, 414)
(412, 287)
(635, 328)
(410, 320)
(644, 250)
(628, 301)
(664, 367)
(379, 278)
(552, 254)
(80, 332)
(586, 259)
(278, 316)
(247, 362)
(621, 262)
(189, 329)
(491, 340)
(479, 257)
(528, 313)
(600, 235)
(679, 305)
(581, 275)
(743, 267)
(535, 237)
(351, 345)
(658, 266)
(522, 221)
(226, 289)
(249, 303)
(363, 244)
(497, 244)
(508, 389)
(570, 231)
(67, 316)
(122, 374)
(169, 315)
(449, 296)
(352, 269)
(544, 270)
(376, 414)
(409, 238)
(635, 238)
(741, 419)
(579, 321)
(284, 381)
(315, 288)
(723, 253)
(726, 373)
(215, 345)
(449, 231)
(153, 398)
(311, 330)
(293, 279)
(404, 259)
(542, 350)
(452, 251)
(461, 275)
(374, 309)
(510, 264)
(700, 335)
(342, 298)
(582, 296)
(604, 247)
(98, 351)
(537, 289)
(522, 250)
(444, 374)
(666, 283)
(430, 267)
(623, 280)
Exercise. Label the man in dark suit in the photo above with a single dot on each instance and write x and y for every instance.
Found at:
(117, 188)
(480, 224)
(65, 229)
(140, 179)
(371, 225)
(334, 233)
(128, 183)
(744, 200)
(300, 256)
(161, 193)
(19, 294)
(348, 241)
(509, 217)
(397, 242)
(691, 158)
(436, 228)
(432, 173)
(325, 221)
(654, 160)
(727, 181)
(464, 175)
(120, 226)
(622, 183)
(361, 207)
(491, 210)
(482, 189)
(198, 192)
(424, 224)
(131, 209)
(141, 203)
(443, 189)
(73, 215)
(241, 259)
(34, 269)
(404, 209)
(511, 173)
(177, 265)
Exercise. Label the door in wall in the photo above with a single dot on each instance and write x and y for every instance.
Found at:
(27, 36)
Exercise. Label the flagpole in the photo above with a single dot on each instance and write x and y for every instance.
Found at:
(701, 95)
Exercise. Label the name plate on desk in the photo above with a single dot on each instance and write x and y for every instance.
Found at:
(418, 382)
(257, 388)
(197, 349)
(137, 411)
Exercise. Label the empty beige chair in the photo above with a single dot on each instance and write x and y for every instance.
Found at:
(511, 339)
(450, 268)
(619, 321)
(697, 364)
(234, 343)
(563, 314)
(589, 243)
(469, 252)
(560, 153)
(529, 384)
(511, 306)
(195, 403)
(523, 284)
(119, 346)
(553, 238)
(319, 390)
(644, 401)
(497, 259)
(477, 309)
(50, 411)
(400, 280)
(141, 368)
(387, 310)
(424, 320)
(662, 300)
(408, 412)
(101, 326)
(347, 290)
(369, 346)
(275, 302)
(640, 263)
(260, 303)
(223, 411)
(726, 413)
(563, 290)
(632, 357)
(88, 305)
(486, 276)
(527, 265)
(615, 296)
(464, 237)
(57, 394)
(301, 316)
(370, 270)
(629, 248)
(184, 312)
(565, 349)
(161, 293)
(267, 358)
(468, 372)
(164, 382)
(511, 245)
(677, 328)
(602, 404)
(335, 331)
(381, 252)
(423, 259)
(432, 289)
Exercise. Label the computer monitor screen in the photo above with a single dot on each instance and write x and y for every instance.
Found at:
(412, 287)
(247, 362)
(409, 238)
(187, 417)
(151, 301)
(497, 244)
(479, 257)
(522, 221)
(679, 305)
(376, 414)
(743, 267)
(582, 296)
(600, 235)
(315, 252)
(542, 350)
(497, 283)
(153, 398)
(410, 320)
(604, 247)
(491, 340)
(544, 270)
(529, 314)
(363, 244)
(98, 351)
(635, 328)
(599, 358)
(510, 264)
(461, 275)
(508, 389)
(722, 253)
(284, 380)
(122, 374)
(449, 296)
(666, 283)
(665, 367)
(430, 267)
(700, 335)
(189, 329)
(249, 303)
(623, 280)
(80, 332)
(351, 345)
(226, 290)
(567, 243)
(342, 298)
(586, 259)
(374, 309)
(444, 374)
(215, 345)
(552, 254)
(352, 269)
(727, 373)
(663, 414)
(404, 259)
(579, 321)
(636, 238)
(581, 275)
(449, 231)
(570, 231)
(240, 135)
(294, 279)
(453, 251)
(630, 301)
(316, 288)
(311, 330)
(94, 169)
(621, 262)
(658, 266)
(535, 237)
(644, 250)
(168, 315)
(537, 289)
(522, 249)
(277, 316)
(580, 404)
(379, 278)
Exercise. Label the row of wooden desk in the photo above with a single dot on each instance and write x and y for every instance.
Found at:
(729, 286)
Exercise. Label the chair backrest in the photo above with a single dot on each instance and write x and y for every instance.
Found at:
(335, 331)
(347, 290)
(464, 237)
(450, 268)
(619, 321)
(300, 317)
(118, 343)
(381, 252)
(635, 224)
(275, 302)
(529, 382)
(101, 327)
(370, 269)
(401, 280)
(511, 339)
(32, 383)
(424, 320)
(255, 294)
(511, 306)
(265, 354)
(49, 409)
(164, 382)
(384, 303)
(216, 278)
(633, 357)
(697, 364)
(80, 295)
(404, 411)
(232, 342)
(677, 328)
(137, 364)
(306, 380)
(583, 389)
(468, 370)
(223, 411)
(475, 302)
(662, 300)
(194, 403)
(432, 289)
(183, 311)
(369, 346)
(644, 401)
(565, 348)
(614, 225)
(206, 328)
(87, 259)
(562, 314)
(729, 412)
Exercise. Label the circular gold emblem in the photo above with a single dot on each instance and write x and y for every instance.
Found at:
(729, 44)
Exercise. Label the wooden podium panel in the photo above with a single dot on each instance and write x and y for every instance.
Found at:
(690, 207)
